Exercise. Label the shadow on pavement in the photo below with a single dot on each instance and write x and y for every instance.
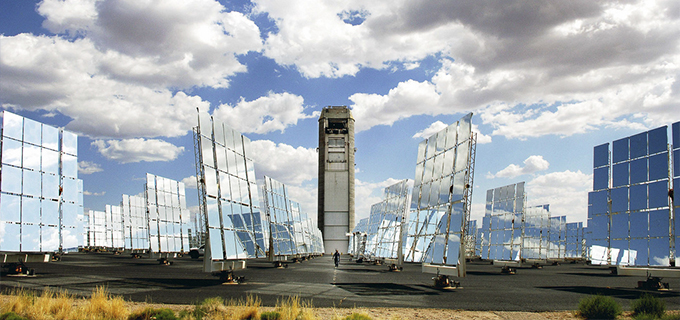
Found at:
(622, 293)
(381, 289)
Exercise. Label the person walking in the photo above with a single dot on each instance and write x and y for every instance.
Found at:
(336, 258)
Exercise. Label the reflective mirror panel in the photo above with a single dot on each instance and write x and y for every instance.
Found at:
(619, 252)
(638, 171)
(601, 155)
(638, 197)
(31, 155)
(205, 125)
(50, 138)
(598, 202)
(658, 166)
(69, 143)
(219, 134)
(659, 223)
(620, 150)
(598, 227)
(619, 198)
(640, 193)
(50, 161)
(12, 152)
(658, 252)
(32, 132)
(620, 174)
(433, 195)
(638, 252)
(638, 145)
(50, 213)
(658, 194)
(658, 140)
(441, 140)
(30, 238)
(504, 233)
(11, 179)
(639, 225)
(32, 183)
(601, 178)
(619, 226)
(70, 190)
(232, 199)
(30, 210)
(166, 221)
(69, 166)
(12, 125)
(50, 239)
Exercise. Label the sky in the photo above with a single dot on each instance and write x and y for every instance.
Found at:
(546, 81)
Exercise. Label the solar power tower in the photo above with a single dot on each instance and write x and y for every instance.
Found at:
(336, 177)
(630, 210)
(229, 201)
(41, 205)
(440, 204)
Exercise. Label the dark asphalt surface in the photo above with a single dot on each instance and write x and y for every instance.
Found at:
(352, 284)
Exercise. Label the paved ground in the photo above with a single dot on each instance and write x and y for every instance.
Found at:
(361, 285)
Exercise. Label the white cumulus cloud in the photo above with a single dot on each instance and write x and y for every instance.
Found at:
(429, 131)
(113, 66)
(137, 150)
(190, 182)
(274, 112)
(87, 167)
(532, 165)
(536, 69)
(285, 163)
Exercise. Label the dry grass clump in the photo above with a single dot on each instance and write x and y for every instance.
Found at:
(103, 305)
(60, 305)
(217, 308)
(249, 309)
(292, 308)
(51, 305)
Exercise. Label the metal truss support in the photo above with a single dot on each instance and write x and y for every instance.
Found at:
(200, 186)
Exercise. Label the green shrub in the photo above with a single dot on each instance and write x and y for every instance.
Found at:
(357, 316)
(644, 316)
(270, 315)
(185, 314)
(11, 316)
(599, 307)
(648, 304)
(671, 317)
(155, 314)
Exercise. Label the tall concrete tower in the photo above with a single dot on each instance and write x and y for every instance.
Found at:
(336, 177)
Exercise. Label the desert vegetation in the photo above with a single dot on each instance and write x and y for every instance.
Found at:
(49, 304)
